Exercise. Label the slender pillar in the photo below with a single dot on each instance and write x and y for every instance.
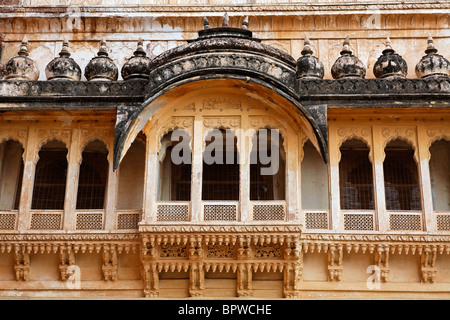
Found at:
(425, 180)
(380, 198)
(197, 170)
(26, 195)
(73, 170)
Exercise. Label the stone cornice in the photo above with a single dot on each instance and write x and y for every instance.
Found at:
(67, 238)
(376, 238)
(135, 91)
(221, 229)
(244, 8)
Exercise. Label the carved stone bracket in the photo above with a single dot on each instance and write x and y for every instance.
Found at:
(22, 265)
(381, 260)
(67, 259)
(239, 249)
(335, 262)
(428, 264)
(245, 281)
(110, 263)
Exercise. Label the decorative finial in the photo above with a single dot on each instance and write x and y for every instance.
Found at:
(140, 48)
(346, 48)
(431, 48)
(307, 50)
(24, 48)
(205, 23)
(226, 20)
(388, 48)
(245, 23)
(65, 49)
(102, 51)
(388, 43)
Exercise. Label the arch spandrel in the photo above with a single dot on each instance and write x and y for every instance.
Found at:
(219, 96)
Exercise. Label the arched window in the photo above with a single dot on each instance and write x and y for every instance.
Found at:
(314, 176)
(401, 181)
(355, 176)
(175, 167)
(50, 178)
(93, 176)
(220, 166)
(267, 166)
(11, 172)
(131, 176)
(440, 175)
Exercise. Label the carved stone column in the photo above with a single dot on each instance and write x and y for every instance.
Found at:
(245, 280)
(196, 271)
(150, 273)
(293, 270)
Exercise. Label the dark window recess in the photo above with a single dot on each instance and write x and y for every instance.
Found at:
(401, 182)
(221, 181)
(264, 187)
(355, 177)
(50, 180)
(19, 188)
(92, 181)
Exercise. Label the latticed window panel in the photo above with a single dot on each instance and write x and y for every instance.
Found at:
(8, 221)
(173, 212)
(443, 222)
(220, 212)
(358, 222)
(89, 221)
(128, 221)
(405, 222)
(44, 221)
(268, 212)
(316, 220)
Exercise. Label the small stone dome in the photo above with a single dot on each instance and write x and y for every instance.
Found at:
(433, 64)
(347, 65)
(63, 67)
(101, 67)
(138, 66)
(308, 66)
(21, 67)
(390, 64)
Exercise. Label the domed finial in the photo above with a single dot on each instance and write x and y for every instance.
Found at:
(205, 23)
(307, 50)
(101, 67)
(245, 23)
(348, 65)
(390, 64)
(226, 20)
(431, 48)
(21, 67)
(102, 51)
(24, 48)
(308, 66)
(63, 67)
(138, 66)
(346, 49)
(433, 64)
(65, 49)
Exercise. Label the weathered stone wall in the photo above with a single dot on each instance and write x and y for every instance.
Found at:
(164, 27)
